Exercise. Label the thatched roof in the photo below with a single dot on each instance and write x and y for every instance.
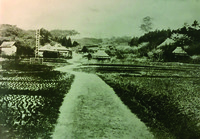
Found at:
(7, 44)
(101, 53)
(179, 50)
(143, 44)
(168, 41)
(48, 47)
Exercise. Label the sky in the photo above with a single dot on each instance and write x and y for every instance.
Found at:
(99, 18)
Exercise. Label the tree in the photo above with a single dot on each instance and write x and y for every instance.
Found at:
(146, 26)
(195, 24)
(23, 48)
(45, 36)
(69, 42)
(66, 42)
(84, 49)
(75, 43)
(134, 41)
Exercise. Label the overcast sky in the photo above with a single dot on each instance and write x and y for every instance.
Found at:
(98, 18)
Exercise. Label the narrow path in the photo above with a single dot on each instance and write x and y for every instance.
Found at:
(91, 109)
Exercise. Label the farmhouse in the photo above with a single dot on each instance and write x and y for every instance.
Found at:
(100, 55)
(179, 52)
(90, 48)
(64, 52)
(8, 48)
(57, 50)
(168, 41)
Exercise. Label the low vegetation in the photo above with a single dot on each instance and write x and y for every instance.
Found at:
(167, 103)
(11, 65)
(30, 101)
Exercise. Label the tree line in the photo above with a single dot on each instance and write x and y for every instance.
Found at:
(25, 39)
(186, 37)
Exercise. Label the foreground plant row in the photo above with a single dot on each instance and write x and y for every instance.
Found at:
(29, 103)
(169, 106)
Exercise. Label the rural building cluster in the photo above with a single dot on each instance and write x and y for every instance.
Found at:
(180, 45)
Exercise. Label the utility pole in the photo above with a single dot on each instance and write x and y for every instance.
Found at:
(37, 34)
(37, 59)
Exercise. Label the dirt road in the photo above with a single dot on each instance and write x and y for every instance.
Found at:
(91, 109)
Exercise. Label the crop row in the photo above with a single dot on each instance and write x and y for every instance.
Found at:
(171, 104)
(31, 85)
(25, 116)
(17, 108)
(31, 113)
(33, 75)
(15, 79)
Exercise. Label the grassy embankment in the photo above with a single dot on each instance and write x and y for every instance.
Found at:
(166, 100)
(30, 97)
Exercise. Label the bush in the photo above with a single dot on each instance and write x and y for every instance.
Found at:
(195, 58)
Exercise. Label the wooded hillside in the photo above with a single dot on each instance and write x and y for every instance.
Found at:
(25, 39)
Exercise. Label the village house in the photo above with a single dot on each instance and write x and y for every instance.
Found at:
(168, 41)
(59, 51)
(65, 52)
(90, 48)
(180, 54)
(8, 48)
(100, 55)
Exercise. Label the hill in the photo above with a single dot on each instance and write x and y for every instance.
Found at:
(25, 39)
(88, 41)
(160, 44)
(63, 33)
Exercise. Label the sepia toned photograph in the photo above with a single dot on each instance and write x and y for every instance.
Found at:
(99, 69)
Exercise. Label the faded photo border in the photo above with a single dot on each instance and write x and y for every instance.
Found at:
(99, 69)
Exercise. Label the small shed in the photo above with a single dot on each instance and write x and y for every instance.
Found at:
(8, 48)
